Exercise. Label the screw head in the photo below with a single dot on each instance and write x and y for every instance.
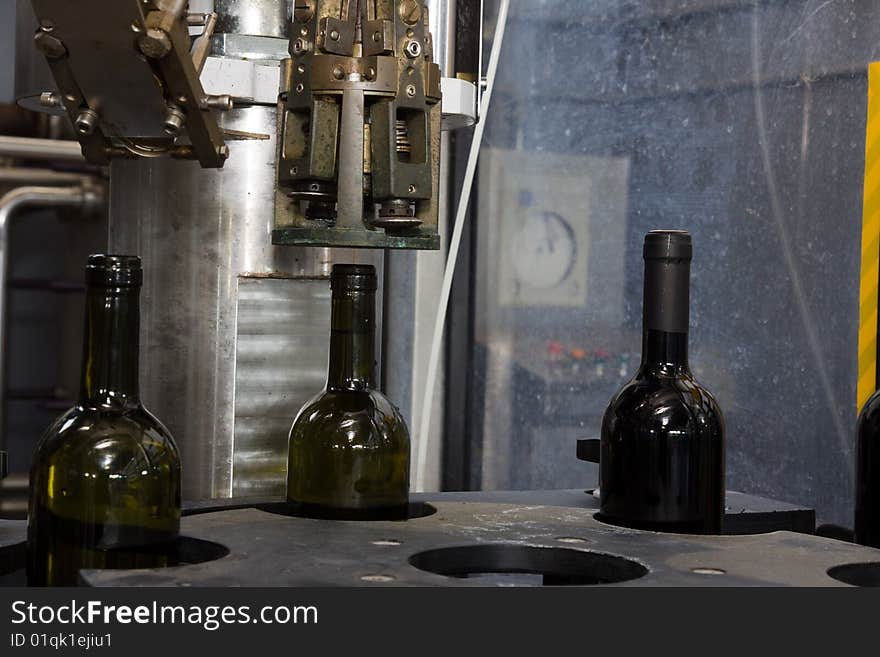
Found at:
(174, 120)
(87, 121)
(411, 90)
(338, 73)
(334, 35)
(155, 44)
(410, 11)
(299, 88)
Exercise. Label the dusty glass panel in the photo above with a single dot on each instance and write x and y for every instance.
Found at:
(742, 122)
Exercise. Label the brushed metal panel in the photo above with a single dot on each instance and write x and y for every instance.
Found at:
(281, 363)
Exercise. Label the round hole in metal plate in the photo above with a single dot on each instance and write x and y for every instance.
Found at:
(505, 564)
(185, 551)
(702, 570)
(572, 539)
(857, 574)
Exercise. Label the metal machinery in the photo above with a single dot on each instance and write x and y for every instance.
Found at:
(315, 123)
(360, 95)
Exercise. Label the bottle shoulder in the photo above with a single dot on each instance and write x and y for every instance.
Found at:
(666, 402)
(103, 431)
(352, 413)
(869, 418)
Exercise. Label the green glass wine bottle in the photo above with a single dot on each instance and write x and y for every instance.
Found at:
(105, 480)
(349, 446)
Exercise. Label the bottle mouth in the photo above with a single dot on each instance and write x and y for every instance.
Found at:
(114, 270)
(353, 277)
(668, 245)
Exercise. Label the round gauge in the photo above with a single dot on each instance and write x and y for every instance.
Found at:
(544, 250)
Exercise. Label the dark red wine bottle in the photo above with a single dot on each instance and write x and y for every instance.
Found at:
(662, 447)
(867, 503)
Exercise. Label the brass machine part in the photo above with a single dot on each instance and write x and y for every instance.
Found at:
(128, 76)
(359, 125)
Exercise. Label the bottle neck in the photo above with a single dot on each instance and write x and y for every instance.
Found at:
(352, 341)
(664, 351)
(111, 347)
(666, 315)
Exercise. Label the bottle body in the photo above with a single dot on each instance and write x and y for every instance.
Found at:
(867, 502)
(662, 456)
(349, 448)
(105, 493)
(105, 479)
(662, 444)
(349, 457)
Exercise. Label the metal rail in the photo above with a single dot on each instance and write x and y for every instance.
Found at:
(83, 198)
(27, 148)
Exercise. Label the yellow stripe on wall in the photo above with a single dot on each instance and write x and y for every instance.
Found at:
(870, 244)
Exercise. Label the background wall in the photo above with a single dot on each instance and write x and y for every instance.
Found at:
(740, 121)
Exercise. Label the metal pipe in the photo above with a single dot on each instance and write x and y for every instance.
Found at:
(19, 176)
(84, 198)
(41, 149)
(441, 16)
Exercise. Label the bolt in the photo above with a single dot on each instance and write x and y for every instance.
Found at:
(155, 44)
(377, 36)
(371, 73)
(50, 99)
(334, 35)
(174, 120)
(413, 49)
(411, 90)
(410, 12)
(222, 103)
(223, 151)
(87, 121)
(338, 73)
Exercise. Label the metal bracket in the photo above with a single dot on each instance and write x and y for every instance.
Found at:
(128, 78)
